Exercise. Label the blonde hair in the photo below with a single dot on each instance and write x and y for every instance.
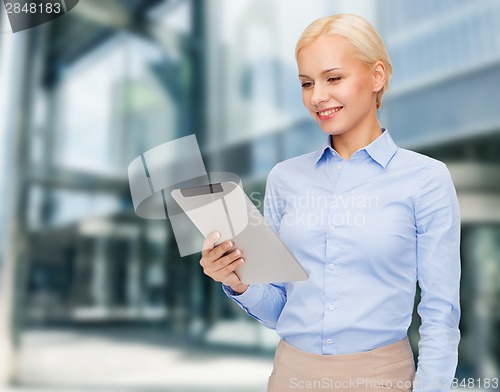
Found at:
(366, 41)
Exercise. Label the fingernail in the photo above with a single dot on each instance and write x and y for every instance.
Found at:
(237, 252)
(229, 244)
(215, 236)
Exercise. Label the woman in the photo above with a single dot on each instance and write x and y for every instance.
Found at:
(367, 220)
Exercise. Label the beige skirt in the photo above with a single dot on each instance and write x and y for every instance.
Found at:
(389, 367)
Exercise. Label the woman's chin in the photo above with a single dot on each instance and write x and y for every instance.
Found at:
(329, 130)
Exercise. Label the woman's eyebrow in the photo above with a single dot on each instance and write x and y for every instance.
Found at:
(322, 72)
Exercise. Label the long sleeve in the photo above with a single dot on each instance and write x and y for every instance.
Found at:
(264, 302)
(438, 273)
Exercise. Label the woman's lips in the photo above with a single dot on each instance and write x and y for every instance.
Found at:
(328, 113)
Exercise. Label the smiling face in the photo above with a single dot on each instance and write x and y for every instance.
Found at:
(338, 89)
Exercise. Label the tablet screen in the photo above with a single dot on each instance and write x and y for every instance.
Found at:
(202, 190)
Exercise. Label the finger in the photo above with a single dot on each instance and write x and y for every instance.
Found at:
(227, 274)
(223, 262)
(216, 253)
(209, 242)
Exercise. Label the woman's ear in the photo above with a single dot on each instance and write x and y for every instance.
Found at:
(378, 76)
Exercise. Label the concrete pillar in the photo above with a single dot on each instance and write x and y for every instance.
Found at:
(478, 191)
(482, 255)
(17, 78)
(134, 297)
(99, 291)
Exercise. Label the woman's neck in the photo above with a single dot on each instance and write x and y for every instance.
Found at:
(351, 141)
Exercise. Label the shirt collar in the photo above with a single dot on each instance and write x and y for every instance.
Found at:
(327, 146)
(381, 150)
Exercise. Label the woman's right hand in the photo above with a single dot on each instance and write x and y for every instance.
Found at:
(221, 267)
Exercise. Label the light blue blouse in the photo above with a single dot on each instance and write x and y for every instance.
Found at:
(366, 230)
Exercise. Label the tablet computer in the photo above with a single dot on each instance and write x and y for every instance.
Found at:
(224, 207)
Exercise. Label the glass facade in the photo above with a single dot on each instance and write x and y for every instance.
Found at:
(446, 56)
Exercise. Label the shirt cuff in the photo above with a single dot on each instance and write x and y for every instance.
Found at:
(251, 297)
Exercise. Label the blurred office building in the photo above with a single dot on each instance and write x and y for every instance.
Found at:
(84, 95)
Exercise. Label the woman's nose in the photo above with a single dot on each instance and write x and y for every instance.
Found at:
(319, 95)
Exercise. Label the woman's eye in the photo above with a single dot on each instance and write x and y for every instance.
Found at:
(334, 79)
(306, 84)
